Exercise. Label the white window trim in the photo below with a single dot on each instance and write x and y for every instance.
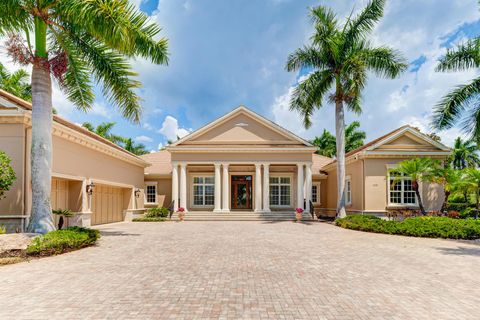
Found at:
(151, 183)
(192, 198)
(402, 204)
(348, 180)
(318, 184)
(292, 191)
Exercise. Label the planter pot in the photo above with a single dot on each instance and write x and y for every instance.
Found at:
(181, 215)
(298, 216)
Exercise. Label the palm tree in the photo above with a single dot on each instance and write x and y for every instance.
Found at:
(417, 169)
(449, 178)
(104, 130)
(461, 104)
(340, 57)
(326, 144)
(16, 83)
(75, 42)
(471, 181)
(135, 148)
(464, 154)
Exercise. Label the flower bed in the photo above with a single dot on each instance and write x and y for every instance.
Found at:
(430, 227)
(61, 241)
(148, 219)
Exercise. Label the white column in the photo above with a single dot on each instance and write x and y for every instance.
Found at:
(175, 186)
(266, 187)
(86, 207)
(183, 186)
(225, 188)
(258, 187)
(299, 185)
(308, 183)
(218, 191)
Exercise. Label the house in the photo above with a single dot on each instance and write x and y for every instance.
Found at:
(244, 162)
(93, 177)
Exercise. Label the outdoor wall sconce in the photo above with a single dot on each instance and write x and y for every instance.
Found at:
(90, 188)
(137, 193)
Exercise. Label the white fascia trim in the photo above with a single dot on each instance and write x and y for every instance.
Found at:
(256, 116)
(407, 153)
(241, 150)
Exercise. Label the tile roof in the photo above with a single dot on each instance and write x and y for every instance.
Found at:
(161, 162)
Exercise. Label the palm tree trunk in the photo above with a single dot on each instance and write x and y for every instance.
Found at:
(478, 204)
(41, 220)
(419, 198)
(340, 137)
(445, 202)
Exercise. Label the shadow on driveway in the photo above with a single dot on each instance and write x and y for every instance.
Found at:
(461, 251)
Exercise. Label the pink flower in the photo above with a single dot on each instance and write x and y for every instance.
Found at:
(299, 210)
(181, 209)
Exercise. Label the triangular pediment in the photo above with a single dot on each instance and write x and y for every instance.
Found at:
(408, 139)
(242, 127)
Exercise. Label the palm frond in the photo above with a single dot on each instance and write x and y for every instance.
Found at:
(449, 110)
(13, 17)
(464, 57)
(306, 57)
(363, 23)
(384, 61)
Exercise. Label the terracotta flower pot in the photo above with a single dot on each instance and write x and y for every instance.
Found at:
(298, 216)
(181, 215)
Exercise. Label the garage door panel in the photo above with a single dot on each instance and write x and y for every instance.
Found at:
(107, 204)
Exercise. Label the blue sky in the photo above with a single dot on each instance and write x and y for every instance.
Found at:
(227, 53)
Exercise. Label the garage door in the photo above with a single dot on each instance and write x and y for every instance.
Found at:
(59, 194)
(107, 204)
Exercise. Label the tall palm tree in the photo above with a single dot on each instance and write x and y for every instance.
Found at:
(16, 83)
(133, 147)
(471, 180)
(340, 57)
(104, 130)
(76, 42)
(326, 144)
(417, 169)
(464, 154)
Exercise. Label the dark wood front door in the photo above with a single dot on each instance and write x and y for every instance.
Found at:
(241, 192)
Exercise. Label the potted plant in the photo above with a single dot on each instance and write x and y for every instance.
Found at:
(181, 213)
(62, 213)
(298, 214)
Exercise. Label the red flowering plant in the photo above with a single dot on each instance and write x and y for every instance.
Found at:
(299, 210)
(181, 209)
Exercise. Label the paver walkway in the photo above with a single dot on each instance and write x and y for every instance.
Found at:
(247, 270)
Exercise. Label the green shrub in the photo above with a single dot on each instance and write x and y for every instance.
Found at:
(468, 213)
(149, 219)
(3, 229)
(431, 227)
(61, 241)
(457, 206)
(157, 212)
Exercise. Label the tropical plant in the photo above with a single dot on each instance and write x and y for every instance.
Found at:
(7, 174)
(464, 154)
(326, 144)
(16, 83)
(340, 57)
(471, 181)
(460, 106)
(417, 169)
(63, 213)
(75, 42)
(133, 147)
(450, 179)
(104, 130)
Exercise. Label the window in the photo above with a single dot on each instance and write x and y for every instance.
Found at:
(316, 193)
(280, 191)
(203, 191)
(401, 190)
(348, 191)
(151, 192)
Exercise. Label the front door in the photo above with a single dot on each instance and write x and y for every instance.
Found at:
(241, 192)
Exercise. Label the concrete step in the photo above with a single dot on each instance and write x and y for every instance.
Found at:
(241, 216)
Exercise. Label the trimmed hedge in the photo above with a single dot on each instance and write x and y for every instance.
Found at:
(61, 241)
(148, 219)
(429, 227)
(157, 213)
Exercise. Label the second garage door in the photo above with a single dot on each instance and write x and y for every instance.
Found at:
(107, 204)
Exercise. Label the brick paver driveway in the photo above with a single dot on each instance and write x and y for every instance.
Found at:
(249, 270)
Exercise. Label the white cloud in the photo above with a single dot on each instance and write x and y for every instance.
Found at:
(147, 126)
(160, 146)
(100, 109)
(143, 139)
(171, 130)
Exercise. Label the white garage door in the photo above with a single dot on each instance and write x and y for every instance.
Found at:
(107, 204)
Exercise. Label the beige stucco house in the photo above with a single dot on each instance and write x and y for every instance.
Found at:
(80, 158)
(244, 162)
(240, 163)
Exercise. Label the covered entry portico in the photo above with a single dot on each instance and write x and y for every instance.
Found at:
(249, 186)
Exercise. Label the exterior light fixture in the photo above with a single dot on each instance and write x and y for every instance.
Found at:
(90, 188)
(137, 193)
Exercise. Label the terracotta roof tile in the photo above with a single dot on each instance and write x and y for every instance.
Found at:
(161, 162)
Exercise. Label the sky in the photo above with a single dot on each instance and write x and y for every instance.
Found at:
(229, 53)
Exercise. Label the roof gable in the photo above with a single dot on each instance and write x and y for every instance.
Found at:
(242, 127)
